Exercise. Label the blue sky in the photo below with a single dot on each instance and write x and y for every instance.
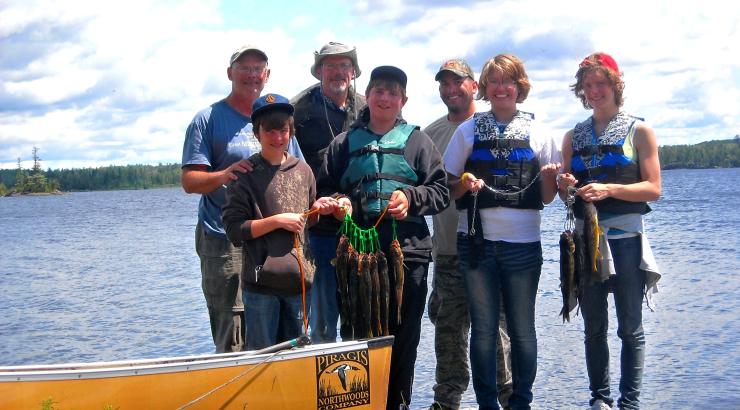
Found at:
(100, 83)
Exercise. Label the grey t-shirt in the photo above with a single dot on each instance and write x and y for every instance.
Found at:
(445, 223)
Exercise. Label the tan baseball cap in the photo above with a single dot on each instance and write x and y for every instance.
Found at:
(456, 66)
(247, 48)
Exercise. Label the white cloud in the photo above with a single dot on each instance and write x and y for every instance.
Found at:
(118, 82)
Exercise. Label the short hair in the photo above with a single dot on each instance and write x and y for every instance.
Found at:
(271, 120)
(385, 83)
(591, 64)
(511, 66)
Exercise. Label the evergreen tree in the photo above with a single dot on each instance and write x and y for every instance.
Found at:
(20, 178)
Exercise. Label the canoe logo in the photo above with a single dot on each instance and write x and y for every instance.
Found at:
(343, 380)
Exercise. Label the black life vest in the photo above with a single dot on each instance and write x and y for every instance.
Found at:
(505, 161)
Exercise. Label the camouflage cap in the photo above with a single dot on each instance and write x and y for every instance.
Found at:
(456, 66)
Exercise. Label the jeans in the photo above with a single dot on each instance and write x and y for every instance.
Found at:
(324, 308)
(220, 266)
(508, 272)
(628, 285)
(272, 319)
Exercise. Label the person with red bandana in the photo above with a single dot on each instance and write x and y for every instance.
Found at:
(612, 160)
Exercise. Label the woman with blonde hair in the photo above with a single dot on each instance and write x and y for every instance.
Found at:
(501, 170)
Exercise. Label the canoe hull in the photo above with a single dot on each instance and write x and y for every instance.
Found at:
(330, 376)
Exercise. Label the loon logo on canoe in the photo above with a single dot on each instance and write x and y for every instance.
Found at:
(343, 380)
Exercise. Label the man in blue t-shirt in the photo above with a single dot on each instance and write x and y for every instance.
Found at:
(217, 142)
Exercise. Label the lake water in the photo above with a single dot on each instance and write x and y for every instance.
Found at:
(113, 275)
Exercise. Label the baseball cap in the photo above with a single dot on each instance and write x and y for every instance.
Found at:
(245, 49)
(456, 66)
(269, 102)
(333, 48)
(389, 72)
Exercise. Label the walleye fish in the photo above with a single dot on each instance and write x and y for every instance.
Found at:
(581, 270)
(592, 234)
(384, 292)
(567, 273)
(398, 276)
(352, 292)
(364, 290)
(342, 268)
(375, 301)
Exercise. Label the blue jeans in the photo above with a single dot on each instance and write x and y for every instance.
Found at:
(508, 272)
(324, 308)
(628, 285)
(272, 319)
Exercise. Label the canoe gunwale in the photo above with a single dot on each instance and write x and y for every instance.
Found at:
(74, 371)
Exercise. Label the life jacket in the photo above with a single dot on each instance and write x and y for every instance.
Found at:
(603, 159)
(377, 167)
(505, 161)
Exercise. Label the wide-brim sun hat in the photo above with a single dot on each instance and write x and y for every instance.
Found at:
(333, 48)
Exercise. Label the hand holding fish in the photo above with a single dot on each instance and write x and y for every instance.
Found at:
(291, 222)
(344, 207)
(565, 180)
(471, 183)
(594, 192)
(398, 205)
(549, 171)
(325, 205)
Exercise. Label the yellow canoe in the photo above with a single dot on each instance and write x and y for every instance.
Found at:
(342, 375)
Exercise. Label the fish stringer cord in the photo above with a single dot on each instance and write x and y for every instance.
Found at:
(296, 245)
(513, 193)
(570, 200)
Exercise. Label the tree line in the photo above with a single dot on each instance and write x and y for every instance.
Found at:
(35, 180)
(709, 154)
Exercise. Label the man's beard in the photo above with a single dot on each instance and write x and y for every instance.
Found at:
(337, 88)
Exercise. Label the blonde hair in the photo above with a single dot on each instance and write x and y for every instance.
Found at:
(511, 66)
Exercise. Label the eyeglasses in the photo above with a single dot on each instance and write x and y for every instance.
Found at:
(505, 83)
(338, 67)
(255, 69)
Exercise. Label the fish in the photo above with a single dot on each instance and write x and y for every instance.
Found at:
(384, 291)
(364, 291)
(375, 299)
(591, 235)
(581, 264)
(396, 262)
(567, 273)
(352, 287)
(342, 268)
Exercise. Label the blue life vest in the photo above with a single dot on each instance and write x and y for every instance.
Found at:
(377, 167)
(504, 159)
(602, 159)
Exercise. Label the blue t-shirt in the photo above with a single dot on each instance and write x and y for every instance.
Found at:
(217, 137)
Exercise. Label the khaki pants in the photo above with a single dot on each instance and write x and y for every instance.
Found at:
(220, 266)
